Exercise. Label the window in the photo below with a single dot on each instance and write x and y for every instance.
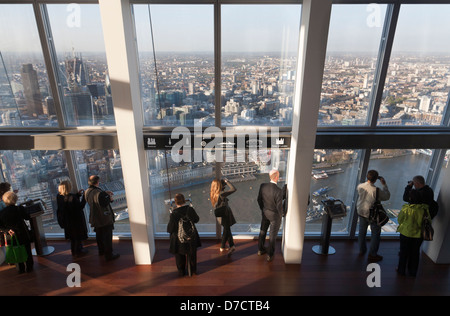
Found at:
(193, 180)
(334, 175)
(418, 81)
(82, 71)
(398, 166)
(179, 89)
(353, 42)
(259, 60)
(36, 174)
(107, 165)
(25, 96)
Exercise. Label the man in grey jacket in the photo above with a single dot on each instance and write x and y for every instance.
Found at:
(101, 217)
(366, 198)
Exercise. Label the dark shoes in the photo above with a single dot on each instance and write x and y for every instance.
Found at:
(112, 257)
(374, 258)
(261, 252)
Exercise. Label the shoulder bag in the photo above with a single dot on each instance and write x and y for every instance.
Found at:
(377, 213)
(427, 229)
(221, 207)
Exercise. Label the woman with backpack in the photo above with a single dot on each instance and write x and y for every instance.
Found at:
(184, 237)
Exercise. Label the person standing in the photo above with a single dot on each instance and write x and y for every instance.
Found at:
(70, 216)
(101, 216)
(270, 201)
(218, 195)
(185, 252)
(425, 193)
(366, 197)
(12, 219)
(410, 221)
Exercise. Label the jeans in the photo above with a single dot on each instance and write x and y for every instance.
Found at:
(374, 240)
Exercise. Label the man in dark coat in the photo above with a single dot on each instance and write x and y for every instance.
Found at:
(101, 217)
(425, 193)
(270, 201)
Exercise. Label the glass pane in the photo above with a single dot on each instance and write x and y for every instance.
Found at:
(25, 96)
(83, 72)
(259, 60)
(331, 169)
(183, 90)
(397, 167)
(194, 179)
(36, 174)
(107, 165)
(353, 43)
(442, 173)
(418, 81)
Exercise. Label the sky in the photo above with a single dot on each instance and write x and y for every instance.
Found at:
(354, 28)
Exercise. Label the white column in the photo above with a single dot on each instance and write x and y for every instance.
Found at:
(439, 248)
(123, 70)
(311, 59)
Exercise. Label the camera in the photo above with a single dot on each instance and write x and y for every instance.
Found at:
(224, 183)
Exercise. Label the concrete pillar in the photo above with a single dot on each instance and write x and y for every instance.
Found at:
(123, 69)
(311, 59)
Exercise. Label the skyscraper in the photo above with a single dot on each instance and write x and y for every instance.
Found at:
(31, 90)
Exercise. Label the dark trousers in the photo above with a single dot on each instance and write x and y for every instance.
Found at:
(182, 260)
(227, 236)
(273, 220)
(409, 255)
(103, 235)
(76, 246)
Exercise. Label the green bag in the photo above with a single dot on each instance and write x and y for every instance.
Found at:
(15, 253)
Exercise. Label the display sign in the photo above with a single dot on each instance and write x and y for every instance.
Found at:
(242, 141)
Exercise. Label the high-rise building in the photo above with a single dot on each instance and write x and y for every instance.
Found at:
(425, 102)
(76, 73)
(31, 90)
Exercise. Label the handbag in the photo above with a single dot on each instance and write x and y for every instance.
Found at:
(377, 213)
(427, 229)
(15, 253)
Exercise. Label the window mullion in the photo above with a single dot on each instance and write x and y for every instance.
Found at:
(48, 50)
(384, 55)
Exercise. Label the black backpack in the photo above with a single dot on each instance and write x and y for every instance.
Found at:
(186, 230)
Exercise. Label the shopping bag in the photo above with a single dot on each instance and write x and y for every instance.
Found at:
(15, 253)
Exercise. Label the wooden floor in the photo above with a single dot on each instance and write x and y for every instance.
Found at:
(244, 274)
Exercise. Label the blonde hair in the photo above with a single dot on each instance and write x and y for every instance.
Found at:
(216, 188)
(65, 187)
(10, 198)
